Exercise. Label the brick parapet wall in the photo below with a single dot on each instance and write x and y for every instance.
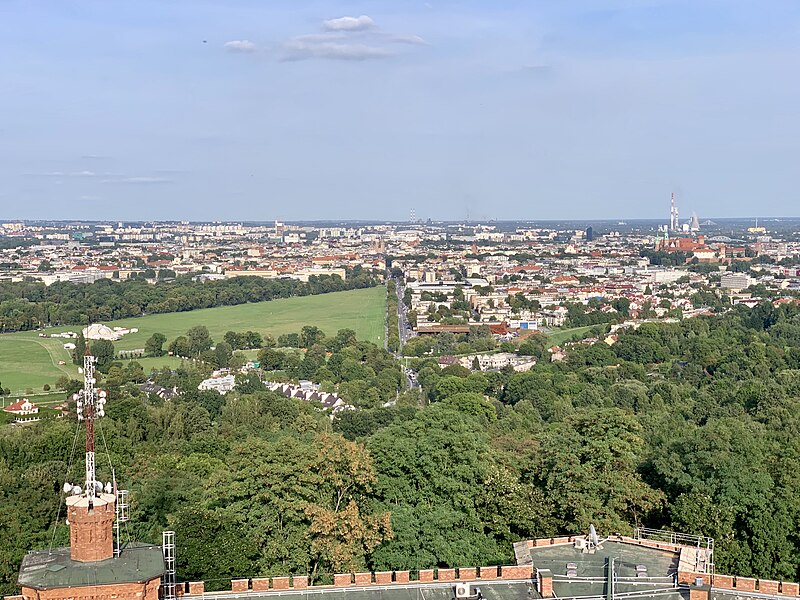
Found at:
(762, 586)
(383, 577)
(790, 589)
(367, 579)
(467, 573)
(121, 591)
(240, 585)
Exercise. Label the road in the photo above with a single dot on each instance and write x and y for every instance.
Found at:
(405, 333)
(405, 329)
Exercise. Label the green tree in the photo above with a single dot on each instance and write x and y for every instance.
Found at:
(199, 339)
(428, 469)
(589, 470)
(222, 355)
(310, 335)
(154, 346)
(103, 350)
(80, 349)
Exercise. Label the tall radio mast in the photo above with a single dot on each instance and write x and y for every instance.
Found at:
(90, 405)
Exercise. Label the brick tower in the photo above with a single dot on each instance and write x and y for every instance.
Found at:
(96, 566)
(91, 527)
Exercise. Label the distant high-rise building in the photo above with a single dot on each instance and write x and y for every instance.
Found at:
(589, 234)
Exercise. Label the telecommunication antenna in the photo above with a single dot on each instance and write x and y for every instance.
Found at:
(90, 405)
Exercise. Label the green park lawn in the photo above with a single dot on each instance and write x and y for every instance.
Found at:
(559, 336)
(28, 361)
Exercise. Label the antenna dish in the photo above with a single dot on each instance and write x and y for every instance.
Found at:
(593, 539)
(108, 488)
(67, 488)
(76, 490)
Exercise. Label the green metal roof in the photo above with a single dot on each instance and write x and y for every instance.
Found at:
(48, 569)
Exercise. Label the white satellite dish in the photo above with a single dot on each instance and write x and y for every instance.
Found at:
(593, 536)
(108, 488)
(67, 488)
(76, 490)
(593, 541)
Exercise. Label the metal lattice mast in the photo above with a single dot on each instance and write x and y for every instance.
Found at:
(168, 580)
(121, 513)
(90, 405)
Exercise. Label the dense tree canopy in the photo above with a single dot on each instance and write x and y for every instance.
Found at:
(692, 426)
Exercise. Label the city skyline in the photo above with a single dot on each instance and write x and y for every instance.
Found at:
(362, 110)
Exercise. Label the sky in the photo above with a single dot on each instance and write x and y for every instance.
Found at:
(256, 110)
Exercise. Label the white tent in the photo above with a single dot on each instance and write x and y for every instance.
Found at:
(98, 331)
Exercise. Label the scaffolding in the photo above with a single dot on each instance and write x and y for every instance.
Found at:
(121, 510)
(168, 584)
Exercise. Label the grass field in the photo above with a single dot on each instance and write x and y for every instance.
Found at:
(559, 336)
(28, 361)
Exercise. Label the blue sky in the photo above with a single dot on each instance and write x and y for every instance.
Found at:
(252, 110)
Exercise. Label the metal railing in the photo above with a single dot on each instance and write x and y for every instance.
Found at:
(704, 555)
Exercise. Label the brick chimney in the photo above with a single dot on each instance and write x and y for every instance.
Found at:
(91, 534)
(545, 577)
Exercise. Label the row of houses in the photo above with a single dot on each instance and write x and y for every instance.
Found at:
(310, 392)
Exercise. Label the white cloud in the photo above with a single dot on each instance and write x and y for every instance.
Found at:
(347, 38)
(240, 46)
(64, 174)
(302, 50)
(406, 39)
(361, 23)
(321, 37)
(135, 180)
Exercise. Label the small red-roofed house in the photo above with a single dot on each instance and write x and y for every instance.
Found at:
(22, 407)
